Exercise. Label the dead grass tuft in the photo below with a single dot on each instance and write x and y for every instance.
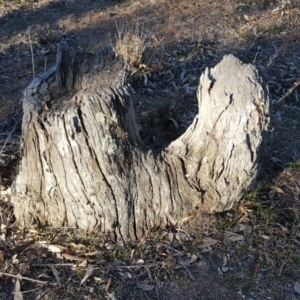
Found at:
(20, 3)
(7, 107)
(131, 43)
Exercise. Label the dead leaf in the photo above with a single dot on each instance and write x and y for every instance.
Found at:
(17, 294)
(284, 229)
(182, 236)
(83, 264)
(171, 237)
(56, 274)
(107, 285)
(297, 287)
(142, 241)
(184, 220)
(15, 261)
(77, 246)
(53, 248)
(233, 237)
(2, 240)
(186, 262)
(225, 260)
(93, 253)
(31, 230)
(111, 296)
(24, 246)
(2, 256)
(144, 287)
(43, 275)
(189, 261)
(3, 229)
(131, 254)
(99, 280)
(255, 32)
(246, 17)
(123, 275)
(111, 246)
(89, 272)
(272, 193)
(145, 79)
(240, 227)
(174, 122)
(207, 242)
(140, 261)
(279, 190)
(72, 257)
(169, 262)
(149, 274)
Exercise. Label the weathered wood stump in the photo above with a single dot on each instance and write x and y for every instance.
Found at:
(83, 163)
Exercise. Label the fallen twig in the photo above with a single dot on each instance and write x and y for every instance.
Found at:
(135, 266)
(29, 291)
(77, 258)
(32, 57)
(295, 85)
(192, 277)
(26, 278)
(52, 265)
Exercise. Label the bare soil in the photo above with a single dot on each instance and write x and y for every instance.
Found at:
(251, 252)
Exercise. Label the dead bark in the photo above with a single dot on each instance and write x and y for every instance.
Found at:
(84, 164)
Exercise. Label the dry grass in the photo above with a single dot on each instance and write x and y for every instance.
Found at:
(19, 3)
(7, 106)
(266, 262)
(131, 43)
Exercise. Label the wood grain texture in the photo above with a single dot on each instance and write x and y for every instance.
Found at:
(84, 164)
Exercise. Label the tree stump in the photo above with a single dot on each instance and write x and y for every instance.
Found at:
(83, 163)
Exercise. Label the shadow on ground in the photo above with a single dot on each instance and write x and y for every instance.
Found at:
(182, 42)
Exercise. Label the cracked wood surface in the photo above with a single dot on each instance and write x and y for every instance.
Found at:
(84, 164)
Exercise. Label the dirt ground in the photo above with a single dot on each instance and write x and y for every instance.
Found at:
(251, 252)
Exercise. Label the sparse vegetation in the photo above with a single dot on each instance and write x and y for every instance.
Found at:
(131, 43)
(20, 3)
(250, 252)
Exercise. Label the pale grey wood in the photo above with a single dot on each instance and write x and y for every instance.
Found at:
(83, 163)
